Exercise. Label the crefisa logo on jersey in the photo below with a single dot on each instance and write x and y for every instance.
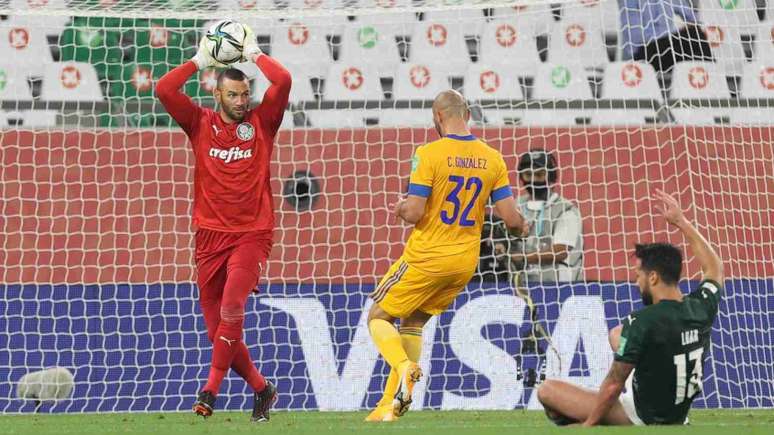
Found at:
(245, 131)
(231, 154)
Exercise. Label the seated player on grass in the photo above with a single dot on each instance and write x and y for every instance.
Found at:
(664, 343)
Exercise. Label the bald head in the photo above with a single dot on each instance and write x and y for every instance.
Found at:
(451, 104)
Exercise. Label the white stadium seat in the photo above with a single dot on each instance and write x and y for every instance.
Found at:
(322, 18)
(558, 82)
(578, 39)
(442, 44)
(605, 14)
(52, 25)
(698, 80)
(471, 19)
(371, 44)
(630, 80)
(764, 41)
(348, 82)
(300, 91)
(13, 83)
(417, 81)
(757, 82)
(726, 45)
(561, 82)
(510, 43)
(695, 80)
(390, 24)
(538, 16)
(70, 81)
(485, 82)
(740, 14)
(25, 45)
(301, 46)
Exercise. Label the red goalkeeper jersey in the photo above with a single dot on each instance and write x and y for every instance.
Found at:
(231, 179)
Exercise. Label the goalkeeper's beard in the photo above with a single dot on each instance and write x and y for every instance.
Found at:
(237, 115)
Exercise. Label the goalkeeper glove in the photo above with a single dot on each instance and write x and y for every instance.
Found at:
(203, 59)
(250, 46)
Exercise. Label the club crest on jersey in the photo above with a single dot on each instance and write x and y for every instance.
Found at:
(231, 154)
(245, 131)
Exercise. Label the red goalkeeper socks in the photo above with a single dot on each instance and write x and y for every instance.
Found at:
(243, 365)
(224, 347)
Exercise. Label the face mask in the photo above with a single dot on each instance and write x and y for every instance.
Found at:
(538, 191)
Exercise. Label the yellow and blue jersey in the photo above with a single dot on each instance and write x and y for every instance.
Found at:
(458, 175)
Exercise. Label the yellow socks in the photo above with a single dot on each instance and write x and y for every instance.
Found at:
(388, 341)
(411, 340)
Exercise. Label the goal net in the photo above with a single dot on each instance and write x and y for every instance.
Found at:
(96, 267)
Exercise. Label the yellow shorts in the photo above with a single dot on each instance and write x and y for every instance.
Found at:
(404, 289)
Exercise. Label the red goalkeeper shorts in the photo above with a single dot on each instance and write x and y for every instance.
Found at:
(217, 252)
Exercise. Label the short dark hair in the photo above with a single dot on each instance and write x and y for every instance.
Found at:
(664, 259)
(231, 74)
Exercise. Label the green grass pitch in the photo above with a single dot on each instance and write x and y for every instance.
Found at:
(725, 422)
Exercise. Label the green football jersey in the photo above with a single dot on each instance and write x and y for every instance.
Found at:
(667, 343)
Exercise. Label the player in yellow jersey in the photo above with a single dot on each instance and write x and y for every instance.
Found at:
(452, 179)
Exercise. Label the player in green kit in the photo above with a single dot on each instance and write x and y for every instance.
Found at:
(665, 343)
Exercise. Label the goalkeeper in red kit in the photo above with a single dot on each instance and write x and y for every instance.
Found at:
(233, 209)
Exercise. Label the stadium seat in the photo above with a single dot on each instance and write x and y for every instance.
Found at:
(694, 80)
(416, 81)
(442, 44)
(577, 39)
(348, 82)
(324, 19)
(738, 14)
(70, 81)
(698, 80)
(757, 82)
(13, 83)
(558, 82)
(603, 14)
(538, 16)
(25, 45)
(561, 82)
(97, 41)
(630, 80)
(301, 46)
(136, 82)
(503, 117)
(471, 19)
(726, 45)
(485, 82)
(166, 41)
(764, 41)
(52, 25)
(510, 43)
(301, 90)
(369, 44)
(391, 24)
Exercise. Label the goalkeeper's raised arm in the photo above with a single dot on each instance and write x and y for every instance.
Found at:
(186, 113)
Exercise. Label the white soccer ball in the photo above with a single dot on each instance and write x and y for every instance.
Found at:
(46, 385)
(225, 40)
